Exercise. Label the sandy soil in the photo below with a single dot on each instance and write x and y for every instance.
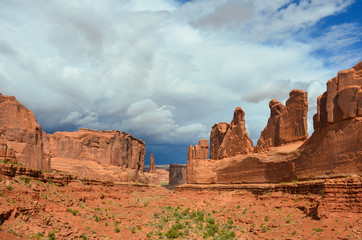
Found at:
(31, 209)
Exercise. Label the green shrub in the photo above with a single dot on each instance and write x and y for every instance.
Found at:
(51, 235)
(96, 218)
(117, 229)
(72, 211)
(173, 233)
(318, 229)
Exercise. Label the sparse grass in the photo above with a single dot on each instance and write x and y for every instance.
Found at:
(318, 229)
(72, 211)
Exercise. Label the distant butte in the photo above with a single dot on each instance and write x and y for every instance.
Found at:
(108, 155)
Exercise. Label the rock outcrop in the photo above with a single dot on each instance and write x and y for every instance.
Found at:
(197, 163)
(228, 140)
(286, 123)
(22, 134)
(335, 147)
(109, 155)
(7, 153)
(333, 150)
(105, 147)
(152, 164)
(177, 174)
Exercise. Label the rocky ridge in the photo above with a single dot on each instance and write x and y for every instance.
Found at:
(111, 155)
(333, 150)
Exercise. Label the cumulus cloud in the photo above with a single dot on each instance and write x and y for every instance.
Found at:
(166, 71)
(158, 123)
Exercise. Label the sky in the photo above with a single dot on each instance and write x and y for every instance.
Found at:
(166, 71)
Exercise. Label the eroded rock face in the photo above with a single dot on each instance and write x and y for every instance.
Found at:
(177, 174)
(7, 153)
(197, 164)
(335, 148)
(21, 133)
(286, 123)
(228, 140)
(105, 147)
(343, 98)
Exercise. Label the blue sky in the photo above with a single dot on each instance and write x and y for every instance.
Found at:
(166, 71)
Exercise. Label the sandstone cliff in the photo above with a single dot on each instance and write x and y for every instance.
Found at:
(111, 155)
(21, 134)
(106, 147)
(228, 140)
(333, 150)
(335, 147)
(286, 123)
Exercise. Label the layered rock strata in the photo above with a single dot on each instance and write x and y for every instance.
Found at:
(335, 147)
(196, 160)
(105, 147)
(177, 174)
(20, 131)
(7, 153)
(111, 155)
(228, 140)
(286, 123)
(333, 150)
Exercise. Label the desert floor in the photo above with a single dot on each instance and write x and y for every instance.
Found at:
(32, 209)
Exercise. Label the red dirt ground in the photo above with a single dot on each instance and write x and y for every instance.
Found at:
(31, 209)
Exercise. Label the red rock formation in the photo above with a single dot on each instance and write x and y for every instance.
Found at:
(335, 148)
(177, 174)
(197, 171)
(286, 123)
(217, 135)
(105, 147)
(7, 153)
(21, 132)
(228, 140)
(152, 164)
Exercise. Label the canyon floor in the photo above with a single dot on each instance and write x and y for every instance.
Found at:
(33, 208)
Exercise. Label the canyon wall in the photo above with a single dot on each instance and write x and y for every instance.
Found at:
(177, 174)
(104, 147)
(21, 135)
(283, 153)
(110, 155)
(335, 147)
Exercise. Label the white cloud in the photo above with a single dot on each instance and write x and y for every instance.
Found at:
(158, 123)
(164, 71)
